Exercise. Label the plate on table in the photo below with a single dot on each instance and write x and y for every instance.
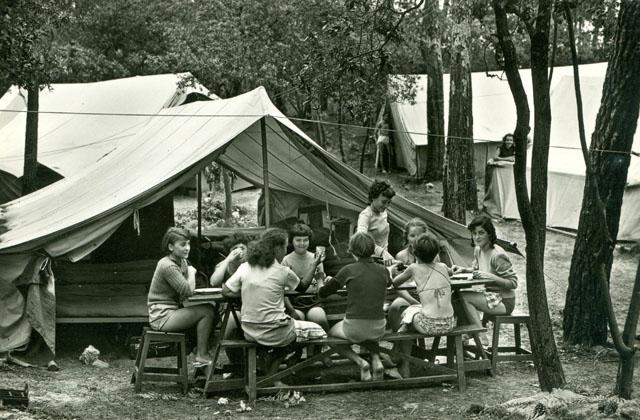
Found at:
(207, 290)
(462, 276)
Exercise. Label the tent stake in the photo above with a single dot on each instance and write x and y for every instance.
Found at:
(265, 174)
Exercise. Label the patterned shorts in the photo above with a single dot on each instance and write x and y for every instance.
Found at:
(493, 299)
(424, 324)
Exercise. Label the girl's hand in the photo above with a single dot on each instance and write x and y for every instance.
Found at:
(457, 269)
(482, 275)
(236, 254)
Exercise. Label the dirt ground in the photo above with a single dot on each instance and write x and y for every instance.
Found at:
(87, 392)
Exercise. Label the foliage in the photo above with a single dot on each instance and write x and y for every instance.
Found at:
(27, 31)
(213, 216)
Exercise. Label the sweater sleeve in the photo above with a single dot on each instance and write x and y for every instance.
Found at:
(364, 220)
(503, 269)
(177, 281)
(334, 284)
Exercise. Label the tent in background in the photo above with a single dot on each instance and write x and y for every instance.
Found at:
(69, 219)
(494, 115)
(69, 142)
(566, 165)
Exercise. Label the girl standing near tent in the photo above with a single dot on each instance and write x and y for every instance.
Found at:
(490, 262)
(373, 219)
(382, 146)
(173, 281)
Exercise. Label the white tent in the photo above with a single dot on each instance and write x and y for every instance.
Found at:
(494, 115)
(566, 165)
(73, 130)
(72, 217)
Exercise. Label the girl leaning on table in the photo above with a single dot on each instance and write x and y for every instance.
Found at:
(173, 281)
(434, 313)
(261, 282)
(490, 262)
(366, 284)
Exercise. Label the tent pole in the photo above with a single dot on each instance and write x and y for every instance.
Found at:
(199, 194)
(265, 174)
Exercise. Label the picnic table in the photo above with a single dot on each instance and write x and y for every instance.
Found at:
(229, 308)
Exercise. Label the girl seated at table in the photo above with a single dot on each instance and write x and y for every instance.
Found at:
(434, 313)
(366, 284)
(173, 281)
(261, 282)
(300, 260)
(236, 245)
(490, 262)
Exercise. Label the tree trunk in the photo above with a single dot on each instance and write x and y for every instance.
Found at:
(432, 55)
(365, 143)
(30, 177)
(533, 213)
(585, 314)
(340, 141)
(455, 194)
(228, 200)
(624, 379)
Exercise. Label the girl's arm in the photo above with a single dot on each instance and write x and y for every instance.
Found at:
(407, 296)
(402, 277)
(217, 278)
(305, 282)
(290, 309)
(173, 275)
(191, 277)
(334, 283)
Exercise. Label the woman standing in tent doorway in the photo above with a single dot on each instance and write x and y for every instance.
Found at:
(383, 150)
(507, 150)
(173, 281)
(373, 219)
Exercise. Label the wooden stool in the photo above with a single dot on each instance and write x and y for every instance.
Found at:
(519, 352)
(178, 374)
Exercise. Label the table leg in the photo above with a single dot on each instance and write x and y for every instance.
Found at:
(228, 308)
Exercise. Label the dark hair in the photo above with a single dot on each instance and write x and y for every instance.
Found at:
(172, 235)
(426, 247)
(504, 138)
(380, 187)
(362, 245)
(485, 223)
(300, 229)
(415, 222)
(234, 239)
(263, 251)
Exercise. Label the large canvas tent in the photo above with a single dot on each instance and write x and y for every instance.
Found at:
(90, 126)
(566, 165)
(72, 217)
(494, 115)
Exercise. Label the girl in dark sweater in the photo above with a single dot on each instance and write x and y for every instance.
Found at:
(366, 284)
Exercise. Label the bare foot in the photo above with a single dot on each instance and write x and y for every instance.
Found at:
(365, 372)
(405, 370)
(378, 369)
(202, 360)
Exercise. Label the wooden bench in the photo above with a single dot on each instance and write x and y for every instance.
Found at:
(452, 371)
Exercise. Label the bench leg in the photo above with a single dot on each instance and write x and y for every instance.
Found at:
(516, 334)
(251, 374)
(495, 346)
(139, 370)
(182, 366)
(434, 349)
(462, 381)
